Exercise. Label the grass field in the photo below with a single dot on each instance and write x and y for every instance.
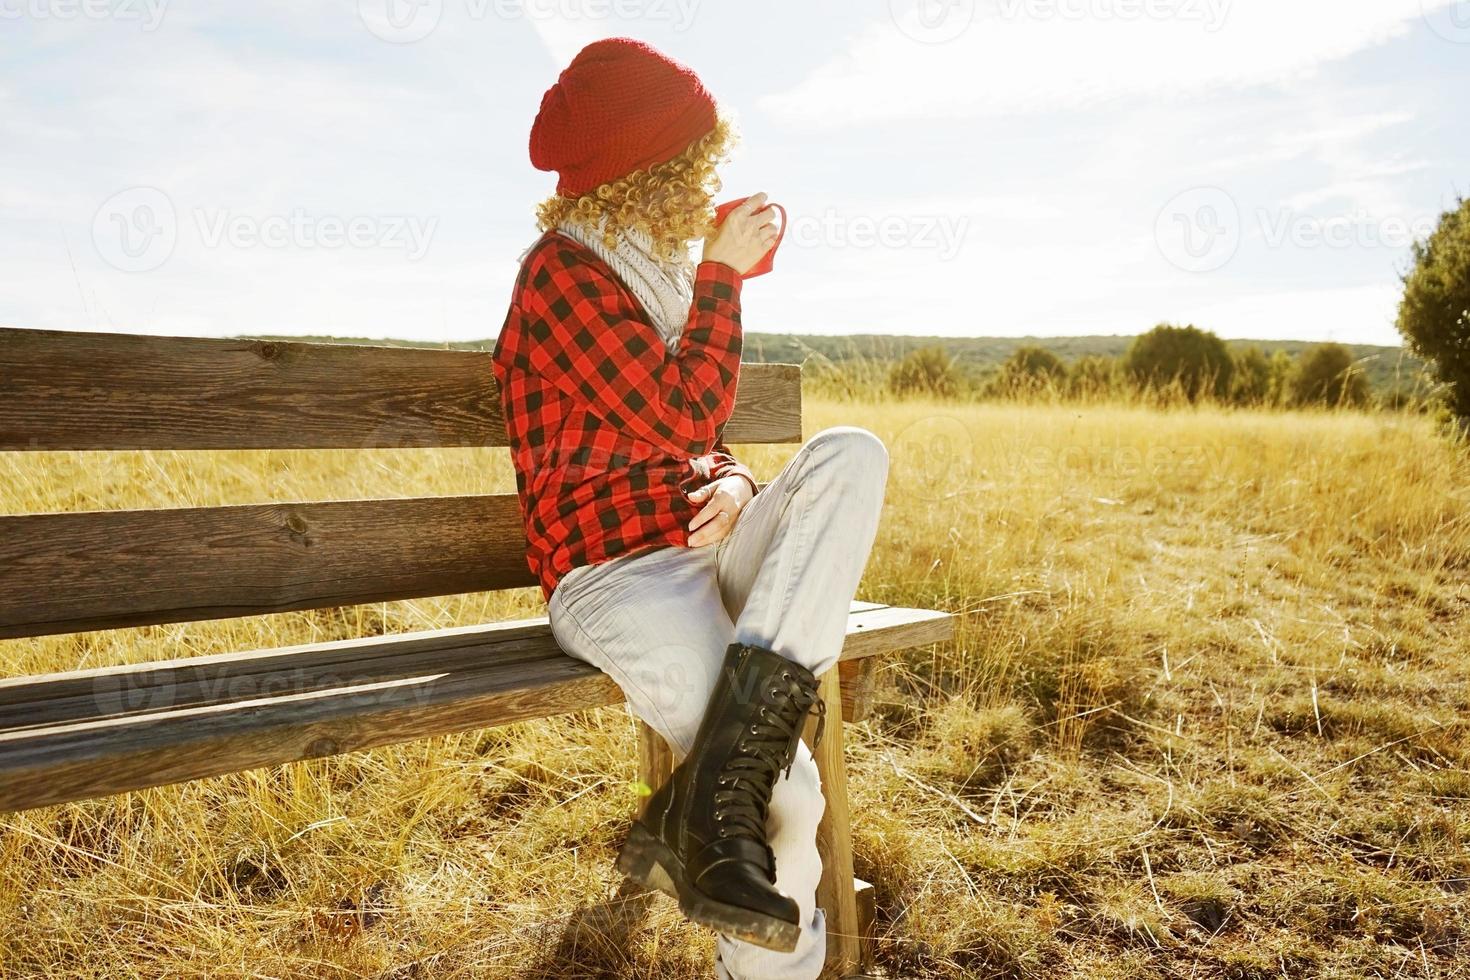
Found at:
(1205, 715)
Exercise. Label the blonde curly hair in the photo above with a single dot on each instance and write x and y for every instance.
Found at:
(671, 202)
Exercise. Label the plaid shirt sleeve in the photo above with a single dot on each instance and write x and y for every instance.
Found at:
(725, 464)
(581, 338)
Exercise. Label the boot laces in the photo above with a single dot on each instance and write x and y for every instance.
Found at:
(767, 747)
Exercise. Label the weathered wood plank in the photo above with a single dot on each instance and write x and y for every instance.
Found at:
(859, 682)
(69, 572)
(867, 906)
(63, 573)
(150, 728)
(873, 631)
(99, 758)
(836, 892)
(655, 761)
(100, 692)
(72, 390)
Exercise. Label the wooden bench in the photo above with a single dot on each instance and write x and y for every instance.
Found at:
(88, 733)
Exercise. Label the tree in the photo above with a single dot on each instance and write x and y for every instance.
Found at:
(1251, 384)
(1326, 375)
(924, 371)
(1283, 369)
(1030, 369)
(1093, 376)
(1195, 359)
(1434, 314)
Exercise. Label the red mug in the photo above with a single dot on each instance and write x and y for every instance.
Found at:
(768, 260)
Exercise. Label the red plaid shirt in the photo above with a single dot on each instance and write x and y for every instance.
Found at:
(609, 431)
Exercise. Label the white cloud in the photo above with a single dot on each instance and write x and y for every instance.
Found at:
(1352, 315)
(1020, 56)
(563, 38)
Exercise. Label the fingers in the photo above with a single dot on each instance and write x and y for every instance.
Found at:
(712, 522)
(712, 530)
(753, 203)
(711, 511)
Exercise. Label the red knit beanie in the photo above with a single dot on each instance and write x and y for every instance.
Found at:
(620, 106)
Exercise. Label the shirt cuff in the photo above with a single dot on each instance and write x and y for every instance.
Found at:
(738, 469)
(710, 273)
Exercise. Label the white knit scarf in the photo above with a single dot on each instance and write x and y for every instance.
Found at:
(665, 289)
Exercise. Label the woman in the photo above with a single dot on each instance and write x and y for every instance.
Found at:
(715, 604)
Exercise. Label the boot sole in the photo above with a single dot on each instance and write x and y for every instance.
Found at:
(649, 861)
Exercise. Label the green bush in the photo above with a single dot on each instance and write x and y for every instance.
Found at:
(1195, 360)
(1251, 382)
(1093, 376)
(1326, 375)
(924, 371)
(1434, 315)
(1029, 370)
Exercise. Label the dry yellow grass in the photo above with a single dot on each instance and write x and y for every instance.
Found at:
(1204, 715)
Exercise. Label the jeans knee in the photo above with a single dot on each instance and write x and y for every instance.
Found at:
(854, 451)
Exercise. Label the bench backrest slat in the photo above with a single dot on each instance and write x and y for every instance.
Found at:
(62, 573)
(66, 390)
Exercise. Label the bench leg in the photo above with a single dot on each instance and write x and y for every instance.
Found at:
(655, 760)
(837, 893)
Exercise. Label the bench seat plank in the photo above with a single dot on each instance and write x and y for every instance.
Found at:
(108, 730)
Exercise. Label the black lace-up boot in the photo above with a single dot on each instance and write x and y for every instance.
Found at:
(702, 835)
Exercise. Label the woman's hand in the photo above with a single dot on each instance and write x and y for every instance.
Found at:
(723, 500)
(744, 237)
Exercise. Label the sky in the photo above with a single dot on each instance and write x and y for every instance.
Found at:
(359, 168)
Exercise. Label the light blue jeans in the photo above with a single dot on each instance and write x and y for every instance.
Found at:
(658, 622)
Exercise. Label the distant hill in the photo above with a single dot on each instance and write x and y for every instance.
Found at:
(975, 354)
